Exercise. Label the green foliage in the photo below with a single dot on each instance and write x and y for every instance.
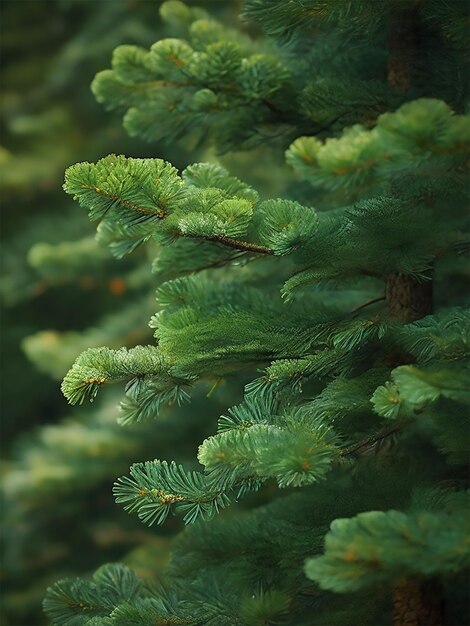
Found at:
(279, 18)
(203, 175)
(326, 288)
(111, 585)
(257, 441)
(382, 546)
(132, 194)
(156, 488)
(443, 336)
(199, 80)
(62, 293)
(144, 186)
(287, 225)
(368, 236)
(413, 389)
(294, 457)
(420, 136)
(98, 366)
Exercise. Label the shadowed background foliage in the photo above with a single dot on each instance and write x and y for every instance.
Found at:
(61, 293)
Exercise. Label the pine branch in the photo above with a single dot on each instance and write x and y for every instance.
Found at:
(244, 246)
(157, 488)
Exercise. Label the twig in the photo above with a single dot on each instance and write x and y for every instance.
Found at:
(245, 246)
(372, 301)
(365, 443)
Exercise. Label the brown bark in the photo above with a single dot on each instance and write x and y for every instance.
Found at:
(418, 604)
(407, 298)
(415, 603)
(401, 43)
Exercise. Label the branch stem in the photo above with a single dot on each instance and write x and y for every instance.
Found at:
(369, 441)
(369, 302)
(245, 246)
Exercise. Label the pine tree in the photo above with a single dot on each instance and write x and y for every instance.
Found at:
(348, 292)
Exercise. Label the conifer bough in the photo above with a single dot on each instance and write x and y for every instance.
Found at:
(342, 293)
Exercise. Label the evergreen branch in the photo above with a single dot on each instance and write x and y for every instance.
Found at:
(443, 336)
(398, 141)
(125, 203)
(150, 187)
(208, 204)
(197, 83)
(379, 546)
(71, 601)
(157, 488)
(295, 454)
(98, 366)
(414, 389)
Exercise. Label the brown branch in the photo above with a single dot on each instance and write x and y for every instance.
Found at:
(245, 246)
(366, 443)
(220, 262)
(372, 301)
(126, 203)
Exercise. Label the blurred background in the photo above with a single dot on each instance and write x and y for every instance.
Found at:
(61, 293)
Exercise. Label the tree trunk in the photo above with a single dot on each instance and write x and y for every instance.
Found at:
(415, 602)
(408, 299)
(401, 44)
(418, 604)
